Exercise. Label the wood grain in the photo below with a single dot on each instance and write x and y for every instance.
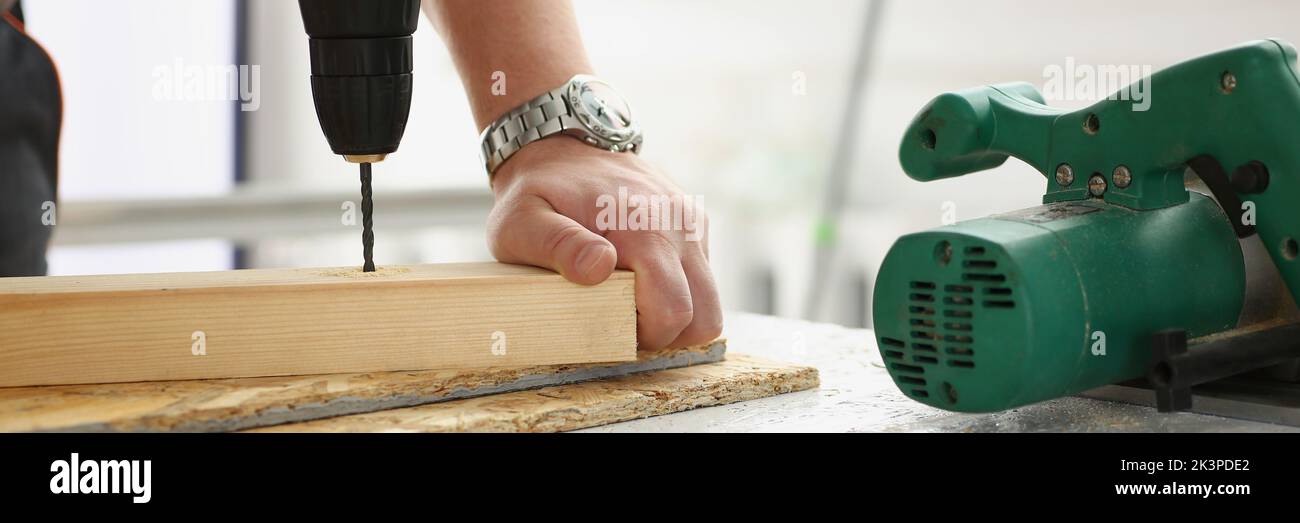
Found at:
(233, 404)
(278, 322)
(587, 404)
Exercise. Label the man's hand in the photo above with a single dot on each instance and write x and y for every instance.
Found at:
(548, 193)
(546, 215)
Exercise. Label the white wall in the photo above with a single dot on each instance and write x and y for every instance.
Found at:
(118, 140)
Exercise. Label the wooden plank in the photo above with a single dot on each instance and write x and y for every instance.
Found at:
(587, 404)
(233, 404)
(276, 322)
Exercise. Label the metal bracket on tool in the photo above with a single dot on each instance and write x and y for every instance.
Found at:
(1176, 367)
(1247, 179)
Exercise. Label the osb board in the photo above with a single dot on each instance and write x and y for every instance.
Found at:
(587, 404)
(121, 328)
(233, 404)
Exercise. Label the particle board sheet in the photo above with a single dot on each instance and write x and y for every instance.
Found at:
(587, 404)
(63, 330)
(233, 404)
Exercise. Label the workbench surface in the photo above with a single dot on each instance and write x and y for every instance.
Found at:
(857, 395)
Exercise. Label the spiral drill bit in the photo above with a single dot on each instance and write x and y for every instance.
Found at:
(367, 222)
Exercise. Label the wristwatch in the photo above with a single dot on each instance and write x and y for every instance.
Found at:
(584, 107)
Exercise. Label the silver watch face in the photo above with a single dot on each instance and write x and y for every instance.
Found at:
(601, 110)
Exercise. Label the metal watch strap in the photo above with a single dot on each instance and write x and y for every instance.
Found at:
(540, 117)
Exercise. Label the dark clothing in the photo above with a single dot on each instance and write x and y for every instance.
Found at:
(31, 112)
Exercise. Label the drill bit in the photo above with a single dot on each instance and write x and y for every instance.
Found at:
(367, 223)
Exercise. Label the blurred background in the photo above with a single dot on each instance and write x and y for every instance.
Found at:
(743, 103)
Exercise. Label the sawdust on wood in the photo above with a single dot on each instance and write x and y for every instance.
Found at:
(356, 272)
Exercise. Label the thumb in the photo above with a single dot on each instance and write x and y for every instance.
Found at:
(533, 233)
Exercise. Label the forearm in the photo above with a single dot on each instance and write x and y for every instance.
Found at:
(534, 43)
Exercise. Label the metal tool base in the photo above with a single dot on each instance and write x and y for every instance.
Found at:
(1244, 398)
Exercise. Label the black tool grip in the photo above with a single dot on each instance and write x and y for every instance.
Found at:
(361, 64)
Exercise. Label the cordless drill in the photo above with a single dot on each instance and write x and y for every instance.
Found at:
(361, 83)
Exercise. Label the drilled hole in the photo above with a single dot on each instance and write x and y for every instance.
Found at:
(1162, 374)
(1290, 249)
(950, 392)
(928, 139)
(1227, 82)
(1092, 124)
(943, 253)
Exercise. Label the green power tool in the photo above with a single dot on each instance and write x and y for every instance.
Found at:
(1122, 264)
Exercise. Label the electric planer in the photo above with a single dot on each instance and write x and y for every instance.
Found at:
(1165, 248)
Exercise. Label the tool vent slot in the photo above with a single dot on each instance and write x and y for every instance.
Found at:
(982, 286)
(912, 380)
(903, 367)
(923, 285)
(958, 300)
(892, 342)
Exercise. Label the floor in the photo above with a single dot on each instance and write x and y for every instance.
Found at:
(857, 395)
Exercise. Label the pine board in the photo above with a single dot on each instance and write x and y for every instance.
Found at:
(288, 322)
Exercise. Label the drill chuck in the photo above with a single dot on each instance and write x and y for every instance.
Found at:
(361, 63)
(998, 312)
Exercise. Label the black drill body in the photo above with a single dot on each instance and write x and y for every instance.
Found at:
(361, 82)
